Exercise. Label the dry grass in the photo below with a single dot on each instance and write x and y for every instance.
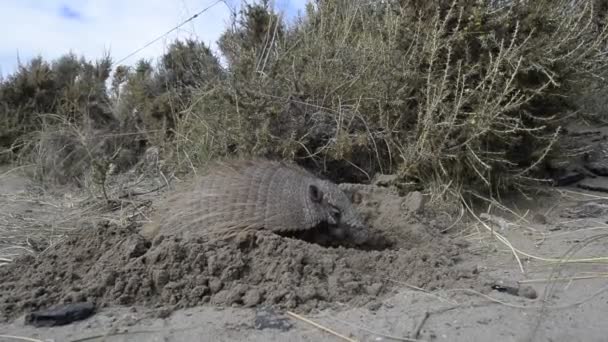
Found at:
(37, 218)
(67, 153)
(21, 338)
(355, 88)
(32, 223)
(474, 94)
(321, 327)
(490, 226)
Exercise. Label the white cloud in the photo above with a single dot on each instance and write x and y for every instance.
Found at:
(32, 27)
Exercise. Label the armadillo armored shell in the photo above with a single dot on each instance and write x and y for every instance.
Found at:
(255, 194)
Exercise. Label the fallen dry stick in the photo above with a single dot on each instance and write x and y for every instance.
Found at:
(21, 338)
(375, 333)
(317, 325)
(418, 329)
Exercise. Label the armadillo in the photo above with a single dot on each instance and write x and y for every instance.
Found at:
(258, 194)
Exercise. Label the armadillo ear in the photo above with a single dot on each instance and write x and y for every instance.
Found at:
(316, 195)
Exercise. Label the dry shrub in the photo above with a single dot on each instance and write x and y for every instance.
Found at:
(58, 117)
(157, 95)
(468, 92)
(64, 86)
(66, 153)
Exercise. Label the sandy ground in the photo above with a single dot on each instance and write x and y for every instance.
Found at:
(570, 308)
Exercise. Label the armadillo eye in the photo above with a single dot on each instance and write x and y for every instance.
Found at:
(336, 214)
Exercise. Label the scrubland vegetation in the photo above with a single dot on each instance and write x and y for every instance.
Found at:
(470, 94)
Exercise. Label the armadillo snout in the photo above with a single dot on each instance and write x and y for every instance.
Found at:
(357, 231)
(359, 234)
(343, 232)
(350, 230)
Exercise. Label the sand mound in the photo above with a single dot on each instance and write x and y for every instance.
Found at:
(115, 265)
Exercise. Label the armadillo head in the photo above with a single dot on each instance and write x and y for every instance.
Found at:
(338, 211)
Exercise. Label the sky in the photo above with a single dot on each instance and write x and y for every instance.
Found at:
(90, 28)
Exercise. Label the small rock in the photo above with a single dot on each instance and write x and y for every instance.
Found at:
(252, 298)
(158, 240)
(125, 299)
(215, 285)
(174, 285)
(75, 297)
(374, 306)
(484, 321)
(374, 289)
(245, 240)
(136, 246)
(199, 291)
(384, 180)
(306, 293)
(466, 272)
(109, 278)
(163, 312)
(220, 298)
(235, 295)
(202, 280)
(129, 320)
(160, 278)
(414, 202)
(352, 286)
(291, 303)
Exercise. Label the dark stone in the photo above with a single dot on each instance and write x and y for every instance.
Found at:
(569, 178)
(598, 184)
(586, 133)
(599, 168)
(60, 315)
(516, 290)
(266, 318)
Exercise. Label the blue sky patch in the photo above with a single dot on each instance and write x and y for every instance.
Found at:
(90, 28)
(69, 13)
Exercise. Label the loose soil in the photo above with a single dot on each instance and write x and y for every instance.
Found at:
(110, 264)
(432, 282)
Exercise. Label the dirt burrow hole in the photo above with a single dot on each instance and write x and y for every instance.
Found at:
(112, 265)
